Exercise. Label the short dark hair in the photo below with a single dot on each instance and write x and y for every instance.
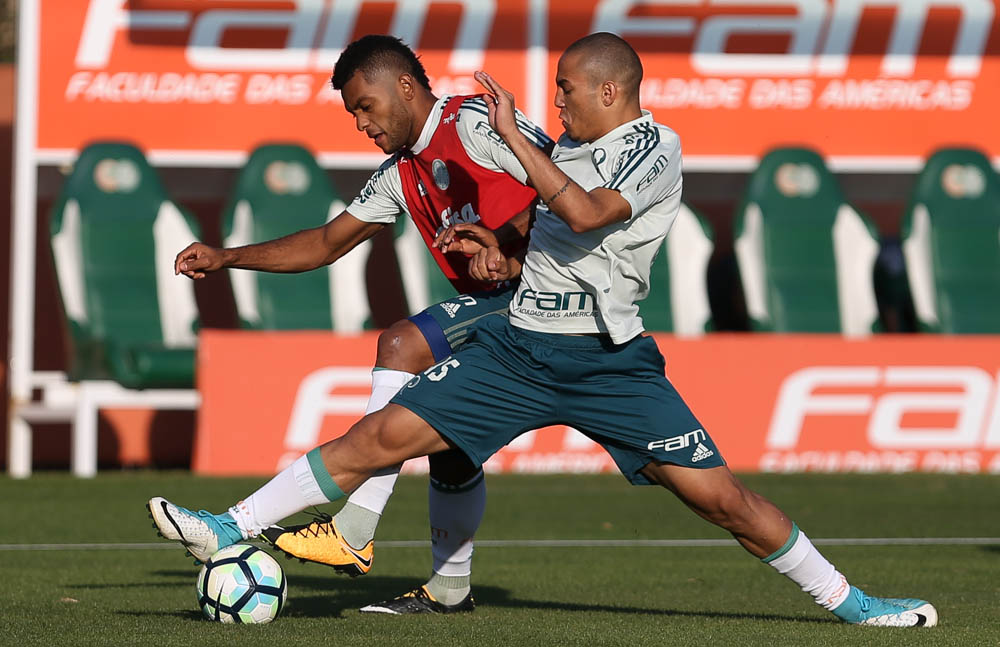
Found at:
(612, 57)
(372, 54)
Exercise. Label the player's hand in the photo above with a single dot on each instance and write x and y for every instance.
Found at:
(197, 260)
(467, 238)
(501, 108)
(490, 264)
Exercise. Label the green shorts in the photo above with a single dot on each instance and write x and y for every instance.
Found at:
(505, 381)
(446, 325)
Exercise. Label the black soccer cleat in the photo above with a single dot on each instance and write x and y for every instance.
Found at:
(419, 600)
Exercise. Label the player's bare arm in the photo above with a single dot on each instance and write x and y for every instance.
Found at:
(581, 210)
(299, 252)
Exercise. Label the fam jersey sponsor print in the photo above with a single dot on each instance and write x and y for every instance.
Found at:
(458, 171)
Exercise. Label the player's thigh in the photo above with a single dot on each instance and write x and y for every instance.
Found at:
(484, 395)
(639, 417)
(446, 325)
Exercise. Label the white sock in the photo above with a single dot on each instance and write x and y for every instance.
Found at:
(374, 493)
(300, 485)
(455, 514)
(799, 560)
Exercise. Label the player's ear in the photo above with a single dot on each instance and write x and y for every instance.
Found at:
(406, 86)
(609, 92)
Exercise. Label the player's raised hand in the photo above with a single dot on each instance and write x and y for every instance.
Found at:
(467, 238)
(197, 259)
(501, 108)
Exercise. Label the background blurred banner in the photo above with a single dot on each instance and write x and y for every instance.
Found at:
(885, 81)
(771, 402)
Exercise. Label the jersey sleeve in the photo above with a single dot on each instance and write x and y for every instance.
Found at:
(382, 199)
(486, 148)
(649, 171)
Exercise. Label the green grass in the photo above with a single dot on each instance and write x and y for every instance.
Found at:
(526, 595)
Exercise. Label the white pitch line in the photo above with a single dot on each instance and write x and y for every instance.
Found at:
(569, 543)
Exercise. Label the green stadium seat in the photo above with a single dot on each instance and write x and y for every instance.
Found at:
(951, 243)
(806, 257)
(282, 190)
(114, 235)
(678, 295)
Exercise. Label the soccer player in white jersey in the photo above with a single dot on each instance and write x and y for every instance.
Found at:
(572, 350)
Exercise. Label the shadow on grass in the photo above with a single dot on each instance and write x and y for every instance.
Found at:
(189, 615)
(484, 600)
(330, 596)
(176, 577)
(319, 596)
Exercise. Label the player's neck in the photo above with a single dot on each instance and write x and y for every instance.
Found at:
(422, 106)
(614, 119)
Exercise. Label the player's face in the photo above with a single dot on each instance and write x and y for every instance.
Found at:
(578, 99)
(379, 109)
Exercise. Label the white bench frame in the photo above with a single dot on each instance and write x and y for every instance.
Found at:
(79, 403)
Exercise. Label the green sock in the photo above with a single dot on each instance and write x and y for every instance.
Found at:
(449, 590)
(356, 524)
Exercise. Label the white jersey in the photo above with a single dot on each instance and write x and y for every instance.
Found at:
(382, 199)
(590, 282)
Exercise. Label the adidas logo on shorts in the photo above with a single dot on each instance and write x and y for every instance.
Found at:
(701, 453)
(451, 308)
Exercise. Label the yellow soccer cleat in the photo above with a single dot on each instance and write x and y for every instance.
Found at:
(319, 542)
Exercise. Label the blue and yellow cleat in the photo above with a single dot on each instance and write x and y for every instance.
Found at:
(862, 609)
(202, 532)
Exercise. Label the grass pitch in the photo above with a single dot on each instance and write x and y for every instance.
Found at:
(126, 590)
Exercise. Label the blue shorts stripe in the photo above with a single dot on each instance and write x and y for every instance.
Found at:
(432, 332)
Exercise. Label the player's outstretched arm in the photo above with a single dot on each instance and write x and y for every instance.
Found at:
(581, 210)
(299, 252)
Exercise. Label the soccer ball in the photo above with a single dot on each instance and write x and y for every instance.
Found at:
(241, 584)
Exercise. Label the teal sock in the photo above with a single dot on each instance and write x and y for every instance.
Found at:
(323, 479)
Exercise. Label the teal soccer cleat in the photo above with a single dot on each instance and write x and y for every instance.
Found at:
(202, 532)
(862, 609)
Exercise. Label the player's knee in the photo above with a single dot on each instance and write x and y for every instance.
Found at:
(402, 347)
(452, 468)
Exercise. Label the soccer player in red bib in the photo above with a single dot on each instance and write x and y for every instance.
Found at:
(447, 166)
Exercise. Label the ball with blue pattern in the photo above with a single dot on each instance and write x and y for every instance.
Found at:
(241, 584)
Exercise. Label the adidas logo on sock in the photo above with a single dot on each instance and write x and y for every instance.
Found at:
(701, 453)
(451, 308)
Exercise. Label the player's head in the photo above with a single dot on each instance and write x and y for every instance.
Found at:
(597, 85)
(385, 87)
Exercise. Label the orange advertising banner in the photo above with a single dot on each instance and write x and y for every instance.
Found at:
(868, 82)
(772, 403)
